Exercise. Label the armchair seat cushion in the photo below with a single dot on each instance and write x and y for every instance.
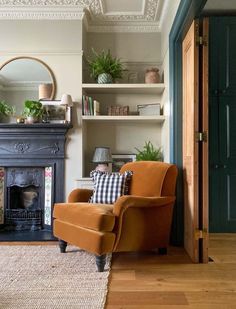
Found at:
(98, 217)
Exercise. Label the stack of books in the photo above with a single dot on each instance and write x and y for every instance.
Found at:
(90, 107)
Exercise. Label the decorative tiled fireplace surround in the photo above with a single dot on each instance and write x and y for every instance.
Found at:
(31, 178)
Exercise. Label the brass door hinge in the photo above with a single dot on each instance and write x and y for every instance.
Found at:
(201, 136)
(200, 234)
(202, 40)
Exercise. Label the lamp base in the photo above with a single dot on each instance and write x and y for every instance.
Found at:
(103, 168)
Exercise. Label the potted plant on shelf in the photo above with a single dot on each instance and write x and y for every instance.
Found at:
(33, 111)
(6, 110)
(149, 153)
(104, 68)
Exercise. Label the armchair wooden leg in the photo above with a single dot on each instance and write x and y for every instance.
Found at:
(62, 245)
(162, 251)
(100, 262)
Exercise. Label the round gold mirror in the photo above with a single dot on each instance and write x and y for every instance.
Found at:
(26, 78)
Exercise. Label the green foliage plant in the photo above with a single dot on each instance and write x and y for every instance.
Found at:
(149, 153)
(105, 63)
(33, 109)
(6, 109)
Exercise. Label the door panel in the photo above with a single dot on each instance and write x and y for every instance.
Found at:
(227, 64)
(190, 63)
(227, 162)
(223, 125)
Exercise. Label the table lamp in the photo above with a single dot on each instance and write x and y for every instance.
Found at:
(102, 156)
(66, 100)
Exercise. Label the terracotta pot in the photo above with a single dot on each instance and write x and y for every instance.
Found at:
(152, 76)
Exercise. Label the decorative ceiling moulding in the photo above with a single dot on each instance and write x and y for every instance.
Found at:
(42, 9)
(145, 19)
(40, 53)
(149, 13)
(123, 29)
(43, 3)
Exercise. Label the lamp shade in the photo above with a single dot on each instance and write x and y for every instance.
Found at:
(102, 155)
(66, 100)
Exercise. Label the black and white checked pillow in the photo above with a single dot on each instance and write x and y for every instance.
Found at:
(108, 187)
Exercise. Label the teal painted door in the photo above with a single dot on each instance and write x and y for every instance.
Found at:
(222, 125)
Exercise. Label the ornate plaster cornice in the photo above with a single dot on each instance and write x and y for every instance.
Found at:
(147, 20)
(148, 14)
(43, 3)
(40, 15)
(42, 9)
(125, 28)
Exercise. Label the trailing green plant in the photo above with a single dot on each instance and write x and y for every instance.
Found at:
(6, 109)
(33, 109)
(149, 153)
(105, 63)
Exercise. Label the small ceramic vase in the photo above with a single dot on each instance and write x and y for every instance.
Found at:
(152, 76)
(105, 78)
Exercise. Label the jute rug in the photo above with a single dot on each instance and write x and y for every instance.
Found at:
(41, 277)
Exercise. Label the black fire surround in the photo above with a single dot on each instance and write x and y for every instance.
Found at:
(34, 146)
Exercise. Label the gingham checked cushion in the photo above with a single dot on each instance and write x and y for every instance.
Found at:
(108, 187)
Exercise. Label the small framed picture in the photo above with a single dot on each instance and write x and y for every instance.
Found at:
(118, 160)
(55, 112)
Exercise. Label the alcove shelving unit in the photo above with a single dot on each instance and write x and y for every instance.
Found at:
(123, 134)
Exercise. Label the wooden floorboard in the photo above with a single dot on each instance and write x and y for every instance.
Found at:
(148, 281)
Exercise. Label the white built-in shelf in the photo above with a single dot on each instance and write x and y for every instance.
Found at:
(124, 88)
(157, 119)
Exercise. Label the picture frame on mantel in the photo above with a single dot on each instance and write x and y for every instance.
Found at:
(118, 160)
(56, 112)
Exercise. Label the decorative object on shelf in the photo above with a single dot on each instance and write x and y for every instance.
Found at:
(56, 111)
(118, 160)
(20, 119)
(102, 156)
(90, 107)
(33, 111)
(149, 153)
(152, 76)
(118, 110)
(104, 68)
(149, 109)
(6, 110)
(45, 91)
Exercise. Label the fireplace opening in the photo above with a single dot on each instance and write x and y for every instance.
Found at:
(24, 210)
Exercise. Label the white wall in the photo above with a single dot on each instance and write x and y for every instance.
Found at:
(58, 44)
(128, 46)
(169, 12)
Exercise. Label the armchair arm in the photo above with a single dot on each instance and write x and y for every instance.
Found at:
(128, 201)
(80, 195)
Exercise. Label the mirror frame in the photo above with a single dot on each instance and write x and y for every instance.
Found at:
(43, 63)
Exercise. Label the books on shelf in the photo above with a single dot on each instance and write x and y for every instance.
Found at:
(90, 107)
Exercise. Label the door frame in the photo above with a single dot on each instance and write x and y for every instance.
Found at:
(187, 11)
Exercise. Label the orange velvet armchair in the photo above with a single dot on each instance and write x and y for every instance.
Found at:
(135, 222)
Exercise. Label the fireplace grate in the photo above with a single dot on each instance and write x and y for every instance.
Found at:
(22, 219)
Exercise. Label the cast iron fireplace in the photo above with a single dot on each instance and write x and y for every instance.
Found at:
(31, 179)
